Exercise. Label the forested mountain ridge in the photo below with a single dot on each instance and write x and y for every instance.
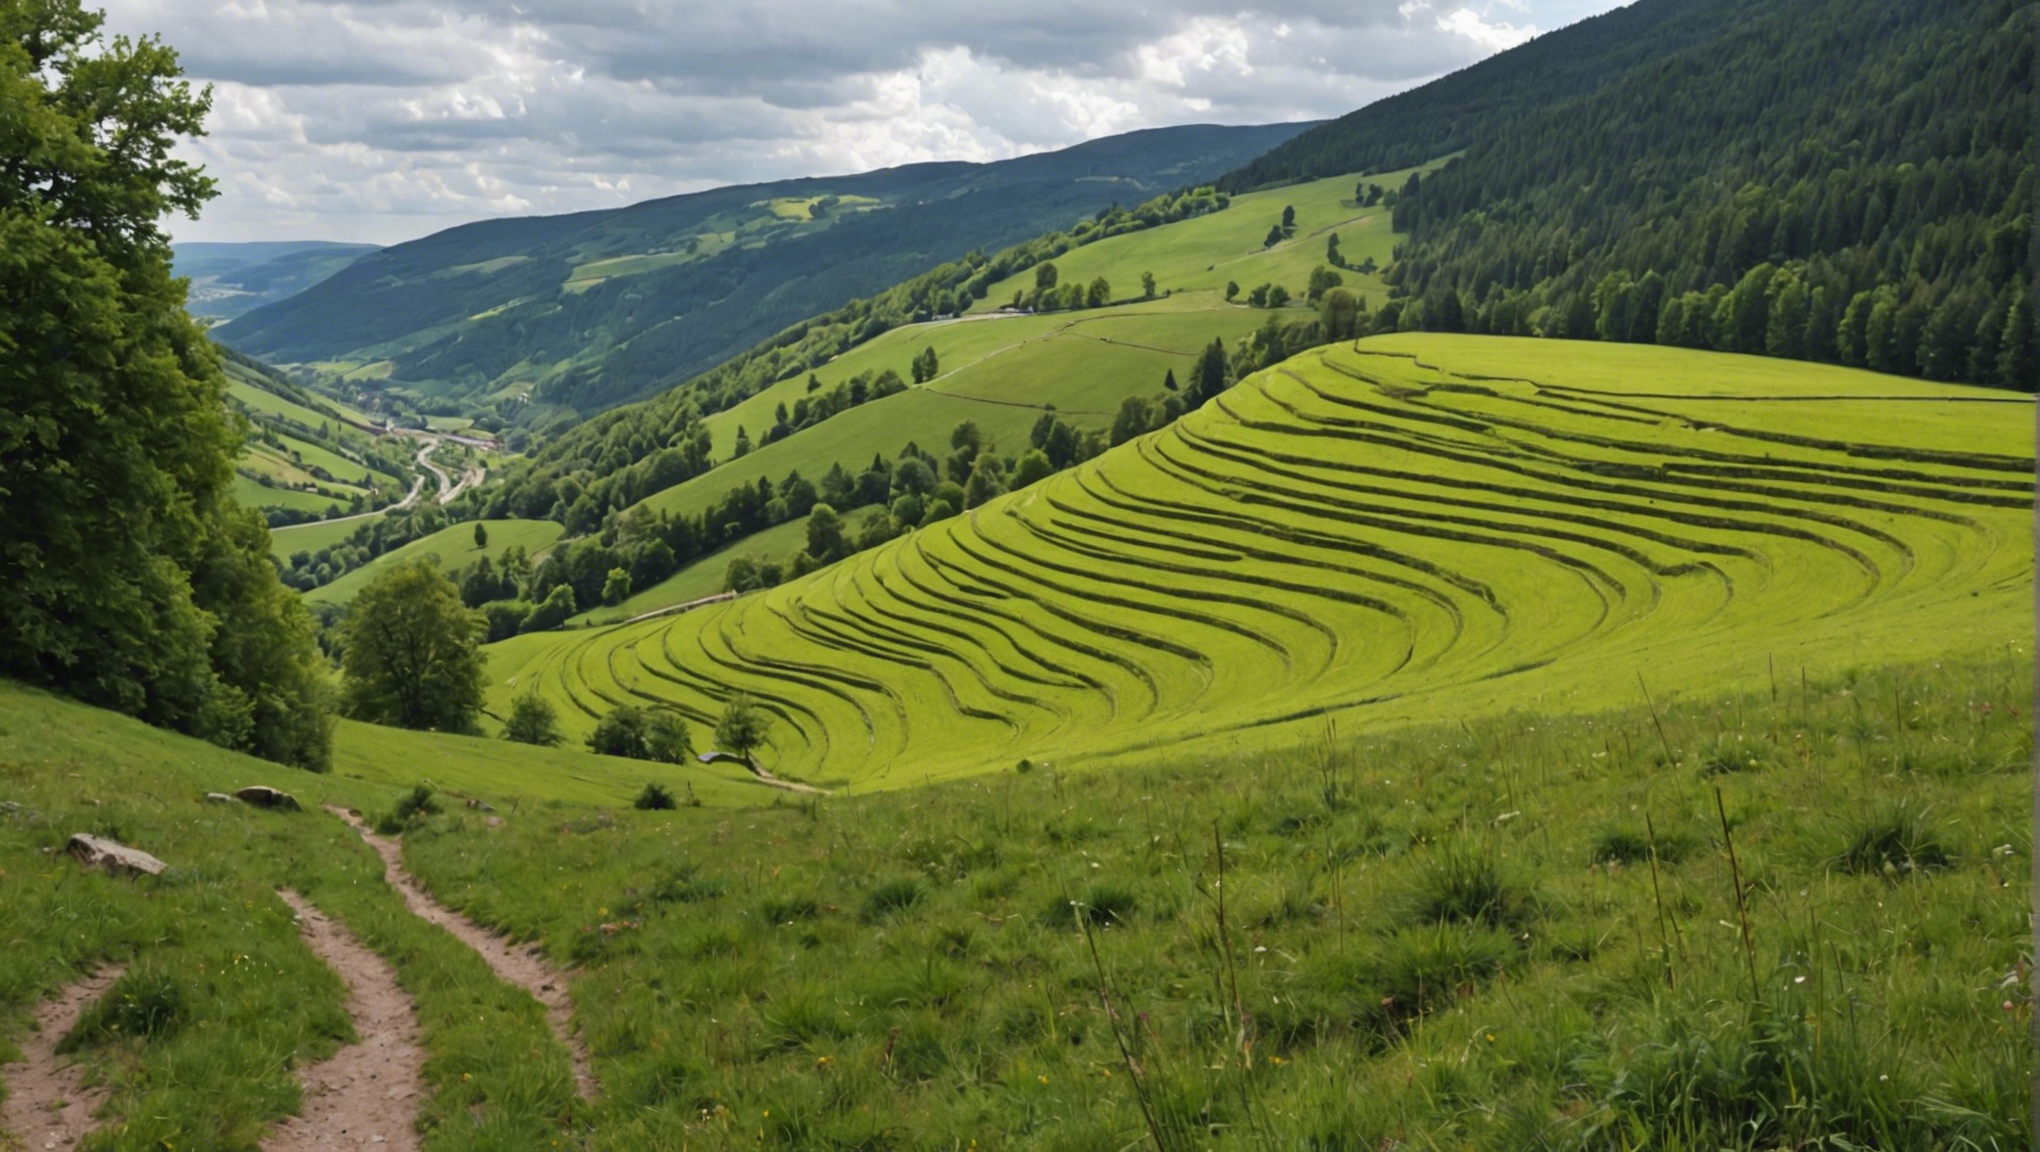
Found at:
(585, 311)
(1819, 179)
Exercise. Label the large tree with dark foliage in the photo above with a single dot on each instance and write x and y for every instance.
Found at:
(128, 577)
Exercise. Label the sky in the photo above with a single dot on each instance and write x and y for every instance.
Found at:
(378, 121)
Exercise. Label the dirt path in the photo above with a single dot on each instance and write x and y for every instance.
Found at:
(522, 966)
(368, 1092)
(46, 1105)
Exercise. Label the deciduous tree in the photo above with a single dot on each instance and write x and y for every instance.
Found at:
(414, 657)
(128, 578)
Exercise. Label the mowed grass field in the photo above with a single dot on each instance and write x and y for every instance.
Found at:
(1419, 528)
(1202, 255)
(450, 549)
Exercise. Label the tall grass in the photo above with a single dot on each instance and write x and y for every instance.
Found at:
(1470, 949)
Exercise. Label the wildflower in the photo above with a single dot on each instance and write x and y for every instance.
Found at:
(1042, 1078)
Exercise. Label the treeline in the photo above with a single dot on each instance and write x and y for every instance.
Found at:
(1827, 180)
(610, 462)
(1494, 98)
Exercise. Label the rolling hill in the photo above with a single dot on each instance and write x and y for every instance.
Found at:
(1413, 528)
(589, 310)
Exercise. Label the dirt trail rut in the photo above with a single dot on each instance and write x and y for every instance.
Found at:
(522, 966)
(45, 1102)
(367, 1094)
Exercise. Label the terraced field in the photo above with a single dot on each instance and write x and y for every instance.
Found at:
(1417, 528)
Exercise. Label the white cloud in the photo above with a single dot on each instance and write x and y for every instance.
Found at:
(1491, 38)
(385, 119)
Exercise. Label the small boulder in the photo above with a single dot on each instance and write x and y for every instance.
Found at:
(119, 859)
(263, 796)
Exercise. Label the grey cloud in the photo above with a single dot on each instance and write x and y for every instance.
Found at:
(393, 115)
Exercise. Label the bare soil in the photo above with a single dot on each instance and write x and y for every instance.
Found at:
(47, 1104)
(366, 1094)
(522, 965)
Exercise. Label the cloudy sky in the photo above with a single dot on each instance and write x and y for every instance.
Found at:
(384, 120)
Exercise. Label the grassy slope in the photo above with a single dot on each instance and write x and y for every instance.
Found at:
(210, 940)
(1357, 532)
(1204, 254)
(452, 548)
(1449, 937)
(287, 541)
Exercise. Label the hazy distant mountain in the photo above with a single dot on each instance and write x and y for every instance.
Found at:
(229, 279)
(597, 308)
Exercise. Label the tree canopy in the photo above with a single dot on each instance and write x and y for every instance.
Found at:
(413, 652)
(128, 577)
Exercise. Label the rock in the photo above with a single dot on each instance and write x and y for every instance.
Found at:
(263, 796)
(119, 859)
(480, 805)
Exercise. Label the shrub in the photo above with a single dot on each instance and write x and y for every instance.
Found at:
(637, 734)
(653, 799)
(410, 811)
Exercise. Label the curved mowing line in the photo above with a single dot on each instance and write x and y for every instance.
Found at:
(1077, 620)
(1133, 506)
(1869, 566)
(1313, 489)
(1575, 489)
(1257, 458)
(891, 625)
(1131, 635)
(875, 604)
(743, 663)
(1117, 557)
(986, 610)
(1982, 461)
(1656, 472)
(716, 690)
(937, 605)
(1313, 506)
(830, 624)
(1158, 607)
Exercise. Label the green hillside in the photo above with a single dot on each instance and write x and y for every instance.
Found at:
(1419, 528)
(1832, 180)
(451, 549)
(532, 317)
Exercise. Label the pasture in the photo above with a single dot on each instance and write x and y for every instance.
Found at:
(1417, 529)
(1202, 255)
(450, 549)
(1000, 373)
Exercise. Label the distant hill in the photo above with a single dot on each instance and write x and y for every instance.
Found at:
(593, 309)
(229, 279)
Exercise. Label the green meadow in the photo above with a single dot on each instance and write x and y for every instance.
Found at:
(222, 1001)
(449, 549)
(1413, 530)
(1204, 254)
(290, 539)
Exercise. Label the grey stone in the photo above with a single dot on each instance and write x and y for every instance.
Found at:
(119, 859)
(263, 796)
